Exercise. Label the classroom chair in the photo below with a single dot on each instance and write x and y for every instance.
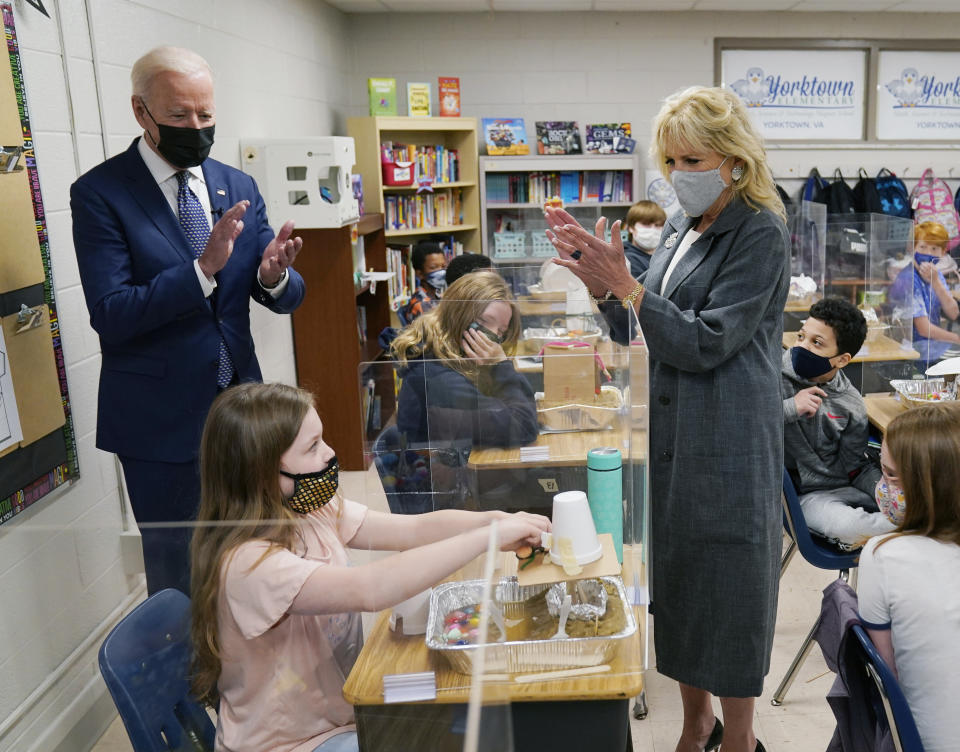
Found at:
(817, 552)
(889, 704)
(145, 661)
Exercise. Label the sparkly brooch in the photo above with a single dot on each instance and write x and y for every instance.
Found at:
(668, 243)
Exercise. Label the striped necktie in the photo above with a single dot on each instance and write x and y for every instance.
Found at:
(193, 220)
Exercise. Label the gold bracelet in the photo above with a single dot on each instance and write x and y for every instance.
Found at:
(635, 293)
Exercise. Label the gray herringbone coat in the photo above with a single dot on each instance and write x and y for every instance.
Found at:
(716, 448)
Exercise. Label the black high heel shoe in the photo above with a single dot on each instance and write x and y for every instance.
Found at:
(716, 737)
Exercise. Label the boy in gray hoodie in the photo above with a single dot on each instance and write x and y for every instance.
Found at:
(825, 427)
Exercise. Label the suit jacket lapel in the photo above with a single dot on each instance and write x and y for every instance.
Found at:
(217, 189)
(147, 193)
(729, 218)
(678, 225)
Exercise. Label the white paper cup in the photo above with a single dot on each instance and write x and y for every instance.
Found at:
(572, 520)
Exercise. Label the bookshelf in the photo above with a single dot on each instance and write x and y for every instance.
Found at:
(513, 189)
(326, 331)
(369, 133)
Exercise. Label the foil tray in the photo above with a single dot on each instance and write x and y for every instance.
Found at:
(520, 655)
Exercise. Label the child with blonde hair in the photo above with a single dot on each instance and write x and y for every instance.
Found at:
(276, 605)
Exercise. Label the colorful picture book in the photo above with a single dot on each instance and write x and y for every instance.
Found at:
(558, 137)
(448, 92)
(418, 100)
(505, 136)
(383, 96)
(610, 138)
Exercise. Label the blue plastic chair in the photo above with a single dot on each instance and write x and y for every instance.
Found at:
(145, 662)
(893, 708)
(817, 552)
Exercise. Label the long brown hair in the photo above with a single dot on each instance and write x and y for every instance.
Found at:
(437, 333)
(924, 443)
(248, 429)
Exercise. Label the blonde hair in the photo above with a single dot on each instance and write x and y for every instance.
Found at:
(165, 59)
(924, 443)
(438, 333)
(247, 431)
(714, 119)
(933, 233)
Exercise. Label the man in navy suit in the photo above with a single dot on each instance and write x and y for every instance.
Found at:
(171, 246)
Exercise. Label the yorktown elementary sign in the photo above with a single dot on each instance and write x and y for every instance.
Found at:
(918, 95)
(800, 95)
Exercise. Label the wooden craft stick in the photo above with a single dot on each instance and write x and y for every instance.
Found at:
(562, 674)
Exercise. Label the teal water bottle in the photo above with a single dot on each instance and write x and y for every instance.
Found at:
(605, 493)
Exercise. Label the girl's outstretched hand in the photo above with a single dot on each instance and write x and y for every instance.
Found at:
(521, 529)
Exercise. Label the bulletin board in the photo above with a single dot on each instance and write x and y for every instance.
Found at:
(38, 450)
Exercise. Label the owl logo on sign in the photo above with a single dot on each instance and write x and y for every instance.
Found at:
(907, 89)
(752, 89)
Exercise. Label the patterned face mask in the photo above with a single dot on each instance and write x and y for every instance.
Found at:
(890, 500)
(311, 491)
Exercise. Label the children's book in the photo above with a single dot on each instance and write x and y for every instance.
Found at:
(558, 137)
(418, 100)
(610, 138)
(505, 136)
(383, 96)
(448, 92)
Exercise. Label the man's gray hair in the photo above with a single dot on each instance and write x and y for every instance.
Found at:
(161, 59)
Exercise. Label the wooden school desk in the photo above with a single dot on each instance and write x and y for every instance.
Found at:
(566, 450)
(544, 714)
(882, 349)
(882, 407)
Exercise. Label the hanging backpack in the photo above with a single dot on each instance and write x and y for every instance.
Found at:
(839, 195)
(932, 201)
(894, 199)
(866, 199)
(785, 198)
(814, 188)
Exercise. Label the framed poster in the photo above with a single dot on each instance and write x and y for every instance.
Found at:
(918, 95)
(815, 94)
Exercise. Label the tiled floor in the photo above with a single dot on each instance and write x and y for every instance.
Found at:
(803, 724)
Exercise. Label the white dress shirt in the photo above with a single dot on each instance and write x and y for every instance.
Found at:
(166, 177)
(688, 240)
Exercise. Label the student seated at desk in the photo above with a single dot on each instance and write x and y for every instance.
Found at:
(459, 386)
(922, 290)
(825, 427)
(276, 606)
(909, 599)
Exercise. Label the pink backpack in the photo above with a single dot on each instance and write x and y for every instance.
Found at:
(932, 201)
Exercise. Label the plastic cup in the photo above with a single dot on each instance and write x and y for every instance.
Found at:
(573, 520)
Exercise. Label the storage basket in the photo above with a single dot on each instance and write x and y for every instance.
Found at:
(510, 244)
(542, 247)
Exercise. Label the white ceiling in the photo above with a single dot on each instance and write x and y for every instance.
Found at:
(475, 6)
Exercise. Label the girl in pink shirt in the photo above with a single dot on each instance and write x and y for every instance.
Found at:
(276, 606)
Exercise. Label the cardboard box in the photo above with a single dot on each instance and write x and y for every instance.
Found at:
(570, 373)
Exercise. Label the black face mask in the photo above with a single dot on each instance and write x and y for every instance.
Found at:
(808, 365)
(182, 147)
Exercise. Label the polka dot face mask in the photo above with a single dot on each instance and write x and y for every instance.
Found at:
(312, 491)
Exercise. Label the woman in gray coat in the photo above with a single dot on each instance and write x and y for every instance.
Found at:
(710, 309)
